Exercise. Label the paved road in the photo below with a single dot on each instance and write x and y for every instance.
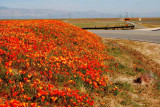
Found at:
(148, 36)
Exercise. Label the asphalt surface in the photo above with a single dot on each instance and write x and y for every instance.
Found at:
(147, 36)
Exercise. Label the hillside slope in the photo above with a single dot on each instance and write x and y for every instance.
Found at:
(48, 62)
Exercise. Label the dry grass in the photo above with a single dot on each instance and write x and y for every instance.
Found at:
(149, 22)
(150, 50)
(93, 20)
(103, 22)
(128, 53)
(148, 53)
(98, 22)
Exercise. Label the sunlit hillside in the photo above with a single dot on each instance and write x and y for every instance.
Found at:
(48, 62)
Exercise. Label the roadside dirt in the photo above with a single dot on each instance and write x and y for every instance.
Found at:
(138, 94)
(148, 53)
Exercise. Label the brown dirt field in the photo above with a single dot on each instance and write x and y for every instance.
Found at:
(88, 20)
(149, 22)
(98, 22)
(101, 22)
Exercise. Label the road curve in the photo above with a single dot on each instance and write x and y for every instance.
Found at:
(147, 36)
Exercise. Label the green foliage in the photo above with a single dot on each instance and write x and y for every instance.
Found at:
(140, 70)
(158, 86)
(131, 73)
(120, 66)
(116, 92)
(127, 100)
(124, 86)
(78, 81)
(2, 71)
(113, 49)
(137, 62)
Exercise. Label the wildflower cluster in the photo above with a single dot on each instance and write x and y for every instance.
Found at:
(46, 62)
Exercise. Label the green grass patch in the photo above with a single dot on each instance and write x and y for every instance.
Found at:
(124, 86)
(127, 100)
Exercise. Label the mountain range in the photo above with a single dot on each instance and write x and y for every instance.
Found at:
(16, 13)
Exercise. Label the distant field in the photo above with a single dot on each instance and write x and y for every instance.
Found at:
(110, 22)
(96, 22)
(107, 22)
(149, 22)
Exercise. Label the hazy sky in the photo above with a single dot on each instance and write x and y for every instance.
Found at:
(118, 6)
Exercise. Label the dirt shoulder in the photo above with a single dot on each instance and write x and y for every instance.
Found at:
(133, 61)
(148, 53)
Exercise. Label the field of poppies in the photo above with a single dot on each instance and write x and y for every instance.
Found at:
(48, 62)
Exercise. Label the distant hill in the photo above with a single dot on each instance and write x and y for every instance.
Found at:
(10, 13)
(13, 13)
(2, 7)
